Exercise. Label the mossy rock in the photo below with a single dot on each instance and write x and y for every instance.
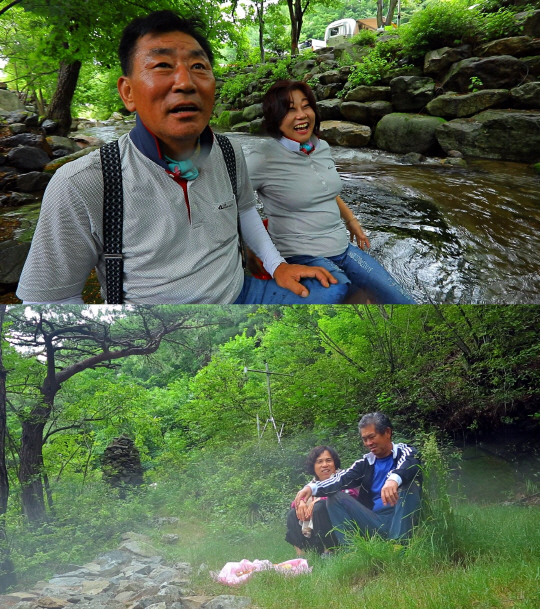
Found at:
(536, 168)
(53, 166)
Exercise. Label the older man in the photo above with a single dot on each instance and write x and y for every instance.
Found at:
(172, 214)
(389, 478)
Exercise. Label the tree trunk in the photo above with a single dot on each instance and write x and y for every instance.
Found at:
(60, 106)
(379, 13)
(261, 29)
(31, 459)
(294, 26)
(390, 14)
(7, 573)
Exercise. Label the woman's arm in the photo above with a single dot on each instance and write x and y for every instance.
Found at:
(352, 225)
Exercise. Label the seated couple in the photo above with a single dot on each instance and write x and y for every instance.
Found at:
(381, 492)
(162, 214)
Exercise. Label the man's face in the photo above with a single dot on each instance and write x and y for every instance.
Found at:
(171, 87)
(380, 444)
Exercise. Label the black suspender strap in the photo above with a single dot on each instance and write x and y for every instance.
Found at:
(113, 217)
(230, 162)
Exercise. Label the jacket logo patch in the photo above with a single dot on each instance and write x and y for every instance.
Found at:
(225, 206)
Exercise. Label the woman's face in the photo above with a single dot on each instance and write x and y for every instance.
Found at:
(299, 121)
(324, 466)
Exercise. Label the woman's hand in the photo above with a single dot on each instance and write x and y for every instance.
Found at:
(300, 503)
(355, 230)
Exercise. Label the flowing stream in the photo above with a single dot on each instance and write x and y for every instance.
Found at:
(450, 235)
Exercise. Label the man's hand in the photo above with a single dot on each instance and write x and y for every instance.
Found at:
(389, 493)
(300, 503)
(355, 230)
(288, 276)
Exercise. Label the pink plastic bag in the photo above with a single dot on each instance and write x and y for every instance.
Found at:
(234, 573)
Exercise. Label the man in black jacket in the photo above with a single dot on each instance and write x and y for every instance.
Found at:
(389, 478)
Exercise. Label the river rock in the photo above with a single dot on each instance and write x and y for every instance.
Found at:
(220, 108)
(235, 117)
(252, 112)
(301, 67)
(257, 126)
(329, 109)
(57, 143)
(57, 154)
(533, 65)
(17, 128)
(28, 158)
(241, 128)
(517, 46)
(527, 95)
(331, 77)
(228, 601)
(140, 548)
(53, 166)
(354, 51)
(502, 72)
(364, 93)
(328, 91)
(411, 93)
(345, 134)
(35, 180)
(52, 602)
(32, 120)
(26, 139)
(452, 105)
(407, 70)
(437, 62)
(530, 22)
(412, 158)
(355, 112)
(404, 133)
(85, 141)
(507, 135)
(9, 101)
(195, 602)
(49, 126)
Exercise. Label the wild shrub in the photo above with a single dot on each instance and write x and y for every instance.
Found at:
(237, 86)
(380, 59)
(440, 24)
(365, 38)
(499, 25)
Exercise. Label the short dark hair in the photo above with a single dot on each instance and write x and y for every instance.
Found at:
(160, 22)
(315, 453)
(276, 104)
(378, 419)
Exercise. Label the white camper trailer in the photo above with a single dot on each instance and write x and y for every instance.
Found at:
(340, 30)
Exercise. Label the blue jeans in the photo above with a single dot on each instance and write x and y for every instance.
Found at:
(348, 514)
(358, 268)
(260, 291)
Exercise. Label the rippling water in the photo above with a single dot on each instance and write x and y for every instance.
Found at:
(448, 234)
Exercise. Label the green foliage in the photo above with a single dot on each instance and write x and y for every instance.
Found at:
(475, 84)
(238, 85)
(440, 24)
(374, 65)
(499, 25)
(365, 38)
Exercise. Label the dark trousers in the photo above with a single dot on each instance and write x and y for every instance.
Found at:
(321, 537)
(348, 514)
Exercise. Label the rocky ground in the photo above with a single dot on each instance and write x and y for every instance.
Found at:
(134, 576)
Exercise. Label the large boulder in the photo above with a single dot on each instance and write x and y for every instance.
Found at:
(452, 105)
(50, 126)
(17, 128)
(235, 117)
(331, 77)
(411, 93)
(252, 112)
(526, 96)
(353, 51)
(392, 73)
(241, 128)
(530, 22)
(367, 113)
(345, 134)
(9, 101)
(257, 126)
(301, 67)
(28, 158)
(437, 62)
(517, 46)
(328, 91)
(329, 109)
(502, 72)
(364, 93)
(404, 133)
(533, 65)
(508, 135)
